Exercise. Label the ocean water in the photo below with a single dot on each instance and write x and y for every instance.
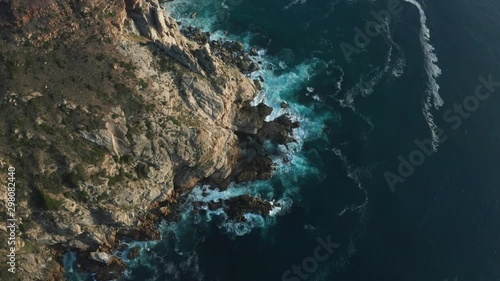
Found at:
(360, 115)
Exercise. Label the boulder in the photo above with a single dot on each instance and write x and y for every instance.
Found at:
(254, 52)
(100, 257)
(237, 47)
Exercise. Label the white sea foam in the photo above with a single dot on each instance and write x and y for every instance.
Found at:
(332, 68)
(282, 82)
(399, 68)
(433, 72)
(243, 228)
(354, 174)
(294, 2)
(364, 87)
(367, 82)
(399, 63)
(276, 88)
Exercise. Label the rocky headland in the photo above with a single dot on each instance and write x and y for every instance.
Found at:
(110, 111)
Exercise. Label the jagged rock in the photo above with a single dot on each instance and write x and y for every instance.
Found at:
(253, 67)
(32, 95)
(192, 123)
(278, 130)
(153, 26)
(205, 59)
(237, 207)
(100, 257)
(237, 47)
(180, 55)
(215, 205)
(196, 34)
(159, 20)
(254, 52)
(134, 253)
(249, 119)
(247, 66)
(258, 84)
(114, 136)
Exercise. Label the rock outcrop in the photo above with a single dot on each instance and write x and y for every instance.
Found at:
(110, 112)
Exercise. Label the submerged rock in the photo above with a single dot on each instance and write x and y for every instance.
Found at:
(237, 207)
(134, 253)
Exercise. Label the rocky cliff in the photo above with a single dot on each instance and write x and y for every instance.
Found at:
(108, 112)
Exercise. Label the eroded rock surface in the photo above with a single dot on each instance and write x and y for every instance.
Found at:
(110, 112)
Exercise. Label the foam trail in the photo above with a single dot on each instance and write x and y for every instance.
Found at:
(294, 2)
(369, 81)
(400, 62)
(433, 71)
(353, 174)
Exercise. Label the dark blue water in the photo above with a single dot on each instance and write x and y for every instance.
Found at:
(359, 115)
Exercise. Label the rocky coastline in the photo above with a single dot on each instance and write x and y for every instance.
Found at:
(126, 112)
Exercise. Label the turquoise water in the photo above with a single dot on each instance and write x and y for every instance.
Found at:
(358, 115)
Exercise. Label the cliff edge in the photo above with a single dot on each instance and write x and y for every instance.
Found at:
(109, 112)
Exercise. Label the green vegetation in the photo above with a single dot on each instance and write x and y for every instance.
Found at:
(124, 159)
(127, 65)
(81, 196)
(118, 178)
(129, 74)
(175, 121)
(165, 64)
(10, 65)
(141, 170)
(110, 15)
(100, 57)
(50, 183)
(49, 203)
(61, 63)
(78, 174)
(121, 89)
(89, 153)
(220, 80)
(102, 197)
(143, 84)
